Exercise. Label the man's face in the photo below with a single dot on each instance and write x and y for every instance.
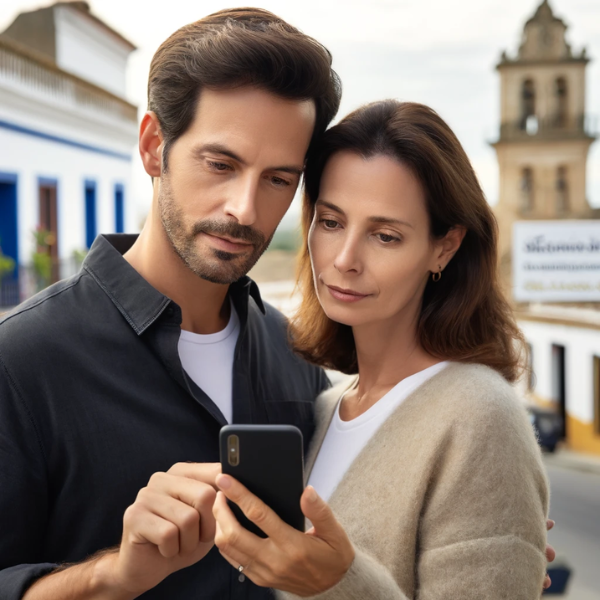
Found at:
(231, 177)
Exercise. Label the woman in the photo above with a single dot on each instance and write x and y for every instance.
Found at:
(426, 459)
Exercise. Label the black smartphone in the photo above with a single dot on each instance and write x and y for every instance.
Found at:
(269, 461)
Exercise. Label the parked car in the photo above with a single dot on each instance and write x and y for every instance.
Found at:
(547, 425)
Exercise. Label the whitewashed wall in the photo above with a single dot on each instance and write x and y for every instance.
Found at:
(581, 345)
(31, 158)
(87, 50)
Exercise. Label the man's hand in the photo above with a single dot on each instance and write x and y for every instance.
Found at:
(170, 526)
(289, 560)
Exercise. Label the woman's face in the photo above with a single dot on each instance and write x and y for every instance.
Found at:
(369, 241)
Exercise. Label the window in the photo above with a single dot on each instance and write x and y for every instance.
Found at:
(90, 213)
(528, 106)
(562, 191)
(527, 189)
(119, 209)
(560, 93)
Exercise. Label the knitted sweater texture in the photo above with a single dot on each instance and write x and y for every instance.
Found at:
(448, 500)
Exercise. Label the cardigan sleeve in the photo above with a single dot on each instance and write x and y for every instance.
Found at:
(483, 528)
(366, 578)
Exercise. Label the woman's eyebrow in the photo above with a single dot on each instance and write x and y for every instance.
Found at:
(385, 220)
(329, 205)
(390, 221)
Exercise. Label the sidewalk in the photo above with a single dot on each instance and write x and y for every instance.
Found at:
(569, 459)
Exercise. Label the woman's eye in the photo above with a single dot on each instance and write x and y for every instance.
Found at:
(329, 223)
(387, 238)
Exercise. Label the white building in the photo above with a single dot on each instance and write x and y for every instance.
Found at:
(66, 137)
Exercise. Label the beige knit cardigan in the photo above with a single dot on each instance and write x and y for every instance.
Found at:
(448, 500)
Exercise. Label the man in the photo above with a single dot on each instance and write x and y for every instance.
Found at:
(131, 367)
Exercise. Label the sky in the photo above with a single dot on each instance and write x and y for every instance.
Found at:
(436, 52)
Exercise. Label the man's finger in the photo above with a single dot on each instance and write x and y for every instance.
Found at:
(254, 508)
(547, 582)
(185, 517)
(142, 527)
(196, 494)
(550, 524)
(204, 472)
(317, 511)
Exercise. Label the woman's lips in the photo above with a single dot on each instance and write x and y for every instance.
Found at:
(345, 295)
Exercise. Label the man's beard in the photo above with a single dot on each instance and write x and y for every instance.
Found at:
(216, 266)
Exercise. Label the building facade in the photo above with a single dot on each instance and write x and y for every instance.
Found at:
(66, 140)
(542, 149)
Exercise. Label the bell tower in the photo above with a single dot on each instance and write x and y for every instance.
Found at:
(545, 134)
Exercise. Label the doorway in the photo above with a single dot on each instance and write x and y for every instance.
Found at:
(9, 239)
(559, 387)
(48, 211)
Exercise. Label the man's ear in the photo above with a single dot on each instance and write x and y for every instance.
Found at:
(448, 246)
(151, 144)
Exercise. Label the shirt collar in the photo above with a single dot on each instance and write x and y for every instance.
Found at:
(139, 302)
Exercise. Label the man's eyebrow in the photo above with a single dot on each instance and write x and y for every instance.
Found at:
(385, 220)
(224, 151)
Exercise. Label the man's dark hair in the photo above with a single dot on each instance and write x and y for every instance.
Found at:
(237, 47)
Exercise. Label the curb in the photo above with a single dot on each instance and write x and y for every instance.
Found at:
(572, 460)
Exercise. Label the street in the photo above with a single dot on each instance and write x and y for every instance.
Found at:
(575, 506)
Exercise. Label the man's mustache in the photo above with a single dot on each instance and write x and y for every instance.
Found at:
(230, 229)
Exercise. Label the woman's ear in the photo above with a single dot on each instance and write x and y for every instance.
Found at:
(151, 144)
(449, 245)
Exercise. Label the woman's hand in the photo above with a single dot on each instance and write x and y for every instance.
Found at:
(304, 564)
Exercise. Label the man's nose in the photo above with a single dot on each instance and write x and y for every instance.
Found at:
(242, 204)
(349, 258)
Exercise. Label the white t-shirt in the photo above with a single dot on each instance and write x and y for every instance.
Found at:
(344, 440)
(208, 360)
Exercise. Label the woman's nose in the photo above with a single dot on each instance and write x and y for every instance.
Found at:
(349, 259)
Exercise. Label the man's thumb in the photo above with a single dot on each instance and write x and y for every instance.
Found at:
(317, 511)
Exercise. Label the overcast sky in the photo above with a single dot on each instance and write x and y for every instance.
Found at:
(437, 52)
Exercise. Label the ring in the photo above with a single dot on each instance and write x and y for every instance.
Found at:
(241, 576)
(240, 568)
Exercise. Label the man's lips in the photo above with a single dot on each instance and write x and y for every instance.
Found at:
(229, 244)
(345, 295)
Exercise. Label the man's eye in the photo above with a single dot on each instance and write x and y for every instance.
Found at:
(279, 182)
(218, 166)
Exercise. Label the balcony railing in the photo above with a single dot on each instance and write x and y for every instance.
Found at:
(25, 282)
(534, 128)
(37, 74)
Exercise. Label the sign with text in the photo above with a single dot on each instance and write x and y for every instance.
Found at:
(556, 261)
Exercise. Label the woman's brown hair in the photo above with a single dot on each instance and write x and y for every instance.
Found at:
(464, 316)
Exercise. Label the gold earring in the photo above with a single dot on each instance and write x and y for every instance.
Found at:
(437, 276)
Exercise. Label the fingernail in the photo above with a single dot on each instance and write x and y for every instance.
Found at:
(311, 495)
(224, 482)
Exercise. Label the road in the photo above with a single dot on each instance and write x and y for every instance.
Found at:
(575, 506)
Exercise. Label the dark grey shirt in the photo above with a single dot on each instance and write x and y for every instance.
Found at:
(93, 400)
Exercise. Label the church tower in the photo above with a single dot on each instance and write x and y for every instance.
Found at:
(544, 134)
